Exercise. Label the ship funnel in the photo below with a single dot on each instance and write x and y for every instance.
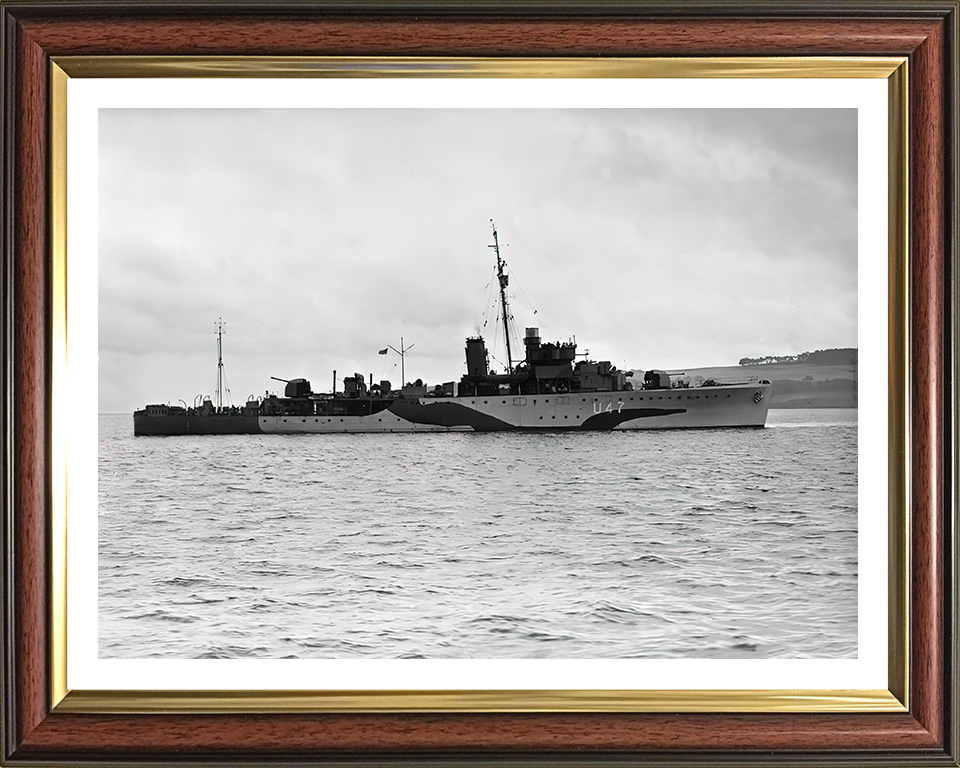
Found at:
(476, 357)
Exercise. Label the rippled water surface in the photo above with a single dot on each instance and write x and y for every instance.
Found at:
(704, 543)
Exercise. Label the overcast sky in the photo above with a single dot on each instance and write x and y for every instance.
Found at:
(659, 238)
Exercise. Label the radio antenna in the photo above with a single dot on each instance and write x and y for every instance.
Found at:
(220, 328)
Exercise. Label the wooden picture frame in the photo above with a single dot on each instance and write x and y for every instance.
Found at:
(37, 730)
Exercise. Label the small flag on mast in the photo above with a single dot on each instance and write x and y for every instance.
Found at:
(383, 351)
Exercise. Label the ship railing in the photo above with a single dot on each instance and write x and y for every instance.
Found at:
(715, 381)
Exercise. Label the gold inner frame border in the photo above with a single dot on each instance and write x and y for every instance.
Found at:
(894, 699)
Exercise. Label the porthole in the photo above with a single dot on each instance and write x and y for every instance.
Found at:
(484, 402)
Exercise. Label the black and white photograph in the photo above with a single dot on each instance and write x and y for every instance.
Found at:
(445, 383)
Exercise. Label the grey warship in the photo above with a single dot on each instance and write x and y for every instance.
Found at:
(548, 389)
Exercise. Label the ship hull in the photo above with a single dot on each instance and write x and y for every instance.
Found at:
(145, 424)
(720, 406)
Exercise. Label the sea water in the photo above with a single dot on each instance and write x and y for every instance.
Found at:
(714, 543)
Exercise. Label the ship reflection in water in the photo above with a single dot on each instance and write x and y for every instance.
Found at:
(548, 390)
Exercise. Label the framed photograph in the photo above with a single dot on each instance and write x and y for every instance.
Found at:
(735, 220)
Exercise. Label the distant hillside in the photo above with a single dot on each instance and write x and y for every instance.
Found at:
(845, 356)
(807, 383)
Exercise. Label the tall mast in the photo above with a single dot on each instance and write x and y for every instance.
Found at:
(402, 351)
(504, 280)
(220, 328)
